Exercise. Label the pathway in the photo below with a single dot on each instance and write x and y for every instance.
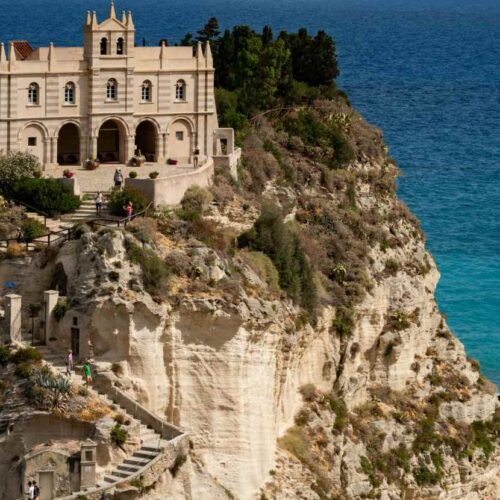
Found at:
(152, 448)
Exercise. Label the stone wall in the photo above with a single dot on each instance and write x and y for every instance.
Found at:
(170, 190)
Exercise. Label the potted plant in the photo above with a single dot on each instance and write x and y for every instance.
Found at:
(91, 163)
(138, 159)
(132, 174)
(171, 161)
(68, 174)
(153, 175)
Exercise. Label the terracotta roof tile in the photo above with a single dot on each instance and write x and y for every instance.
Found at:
(23, 48)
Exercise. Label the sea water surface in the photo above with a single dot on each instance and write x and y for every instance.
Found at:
(425, 71)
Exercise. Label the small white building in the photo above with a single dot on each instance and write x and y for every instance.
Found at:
(109, 99)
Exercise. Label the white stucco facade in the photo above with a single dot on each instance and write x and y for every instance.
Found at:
(107, 99)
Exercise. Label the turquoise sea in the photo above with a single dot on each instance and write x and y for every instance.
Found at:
(426, 71)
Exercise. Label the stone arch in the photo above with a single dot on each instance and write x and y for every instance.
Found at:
(33, 137)
(147, 134)
(69, 137)
(180, 141)
(115, 118)
(112, 141)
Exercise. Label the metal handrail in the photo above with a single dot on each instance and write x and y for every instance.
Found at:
(33, 209)
(123, 220)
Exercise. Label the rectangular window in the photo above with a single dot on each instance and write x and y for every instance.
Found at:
(179, 136)
(69, 95)
(31, 141)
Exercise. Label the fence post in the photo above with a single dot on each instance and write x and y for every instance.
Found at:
(48, 239)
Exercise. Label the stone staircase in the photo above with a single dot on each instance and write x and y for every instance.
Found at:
(152, 445)
(86, 211)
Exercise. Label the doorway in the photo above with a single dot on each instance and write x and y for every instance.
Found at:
(46, 485)
(111, 143)
(75, 341)
(68, 145)
(145, 140)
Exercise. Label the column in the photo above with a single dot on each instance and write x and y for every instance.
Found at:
(50, 298)
(88, 464)
(93, 148)
(46, 151)
(53, 150)
(164, 150)
(13, 317)
(129, 147)
(83, 148)
(158, 143)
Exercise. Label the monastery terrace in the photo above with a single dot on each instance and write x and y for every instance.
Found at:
(112, 101)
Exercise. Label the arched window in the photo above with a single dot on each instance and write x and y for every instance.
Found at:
(146, 91)
(104, 46)
(180, 90)
(112, 90)
(33, 93)
(119, 46)
(69, 93)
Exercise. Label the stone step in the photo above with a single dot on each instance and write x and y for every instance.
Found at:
(110, 479)
(145, 454)
(128, 469)
(138, 462)
(150, 447)
(120, 474)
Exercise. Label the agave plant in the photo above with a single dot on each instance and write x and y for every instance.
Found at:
(50, 390)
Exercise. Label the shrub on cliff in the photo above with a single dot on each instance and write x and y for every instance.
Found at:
(195, 202)
(48, 195)
(155, 272)
(16, 166)
(118, 435)
(273, 237)
(32, 229)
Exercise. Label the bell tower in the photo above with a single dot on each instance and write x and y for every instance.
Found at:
(110, 38)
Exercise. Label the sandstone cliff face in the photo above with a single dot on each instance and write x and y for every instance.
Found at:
(229, 368)
(374, 399)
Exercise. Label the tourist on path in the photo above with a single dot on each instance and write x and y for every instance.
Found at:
(69, 363)
(129, 210)
(118, 178)
(87, 374)
(98, 203)
(31, 490)
(36, 491)
(196, 158)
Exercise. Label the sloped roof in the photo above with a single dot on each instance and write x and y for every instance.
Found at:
(112, 25)
(23, 49)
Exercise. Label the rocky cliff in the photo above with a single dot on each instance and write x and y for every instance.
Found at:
(347, 385)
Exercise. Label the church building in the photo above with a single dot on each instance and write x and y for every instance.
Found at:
(108, 99)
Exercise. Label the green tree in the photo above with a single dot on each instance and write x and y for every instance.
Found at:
(210, 31)
(273, 237)
(16, 166)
